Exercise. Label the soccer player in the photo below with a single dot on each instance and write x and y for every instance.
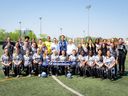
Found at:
(90, 63)
(62, 58)
(37, 62)
(54, 45)
(109, 62)
(46, 60)
(54, 58)
(6, 62)
(17, 61)
(28, 63)
(81, 68)
(73, 58)
(99, 64)
(34, 48)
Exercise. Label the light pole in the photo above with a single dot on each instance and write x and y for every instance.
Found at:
(40, 18)
(88, 8)
(20, 28)
(83, 32)
(61, 31)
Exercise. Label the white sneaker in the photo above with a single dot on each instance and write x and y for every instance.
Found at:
(17, 76)
(39, 75)
(29, 75)
(6, 77)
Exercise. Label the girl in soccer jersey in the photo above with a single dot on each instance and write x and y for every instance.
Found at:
(40, 44)
(17, 61)
(62, 58)
(109, 62)
(81, 64)
(99, 64)
(54, 58)
(90, 63)
(34, 48)
(46, 60)
(28, 63)
(6, 62)
(26, 46)
(73, 58)
(37, 62)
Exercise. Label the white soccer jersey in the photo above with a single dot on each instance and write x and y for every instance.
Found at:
(98, 59)
(81, 58)
(34, 50)
(37, 57)
(62, 58)
(109, 60)
(73, 58)
(17, 57)
(54, 57)
(5, 59)
(90, 59)
(46, 60)
(27, 60)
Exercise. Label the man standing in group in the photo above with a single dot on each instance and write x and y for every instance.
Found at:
(48, 44)
(122, 52)
(62, 45)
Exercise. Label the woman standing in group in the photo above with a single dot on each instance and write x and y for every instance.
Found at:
(46, 60)
(99, 64)
(28, 63)
(90, 63)
(37, 62)
(6, 62)
(109, 62)
(17, 61)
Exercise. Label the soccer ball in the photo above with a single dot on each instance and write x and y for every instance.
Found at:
(43, 74)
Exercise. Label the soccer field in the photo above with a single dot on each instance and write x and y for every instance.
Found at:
(34, 86)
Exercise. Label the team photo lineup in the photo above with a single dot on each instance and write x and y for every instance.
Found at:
(99, 58)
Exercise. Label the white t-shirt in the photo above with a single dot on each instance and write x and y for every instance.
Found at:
(54, 46)
(70, 47)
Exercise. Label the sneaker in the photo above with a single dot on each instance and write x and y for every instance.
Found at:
(29, 75)
(39, 75)
(6, 77)
(17, 76)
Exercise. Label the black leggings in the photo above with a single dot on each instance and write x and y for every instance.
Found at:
(17, 70)
(28, 69)
(6, 70)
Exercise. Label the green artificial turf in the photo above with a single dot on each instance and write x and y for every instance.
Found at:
(89, 86)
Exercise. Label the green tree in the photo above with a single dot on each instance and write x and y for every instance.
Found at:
(31, 34)
(43, 37)
(3, 34)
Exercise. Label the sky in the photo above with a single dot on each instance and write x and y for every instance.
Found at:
(108, 18)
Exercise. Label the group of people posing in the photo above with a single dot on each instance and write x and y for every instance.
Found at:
(104, 58)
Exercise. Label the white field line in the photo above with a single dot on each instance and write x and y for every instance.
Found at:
(68, 88)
